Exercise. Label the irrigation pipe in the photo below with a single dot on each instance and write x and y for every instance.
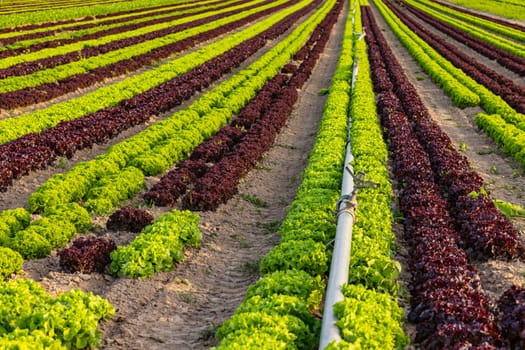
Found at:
(345, 209)
(341, 255)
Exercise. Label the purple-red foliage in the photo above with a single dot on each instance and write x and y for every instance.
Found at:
(176, 182)
(512, 316)
(448, 305)
(129, 219)
(87, 255)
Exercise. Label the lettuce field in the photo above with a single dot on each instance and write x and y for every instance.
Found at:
(171, 173)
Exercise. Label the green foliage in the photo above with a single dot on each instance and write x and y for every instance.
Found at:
(263, 339)
(110, 190)
(10, 262)
(372, 273)
(89, 63)
(12, 221)
(30, 244)
(30, 340)
(256, 201)
(76, 12)
(12, 128)
(323, 92)
(73, 213)
(306, 255)
(278, 304)
(73, 185)
(290, 282)
(512, 9)
(53, 229)
(158, 246)
(508, 136)
(288, 329)
(29, 317)
(480, 28)
(441, 71)
(510, 210)
(369, 320)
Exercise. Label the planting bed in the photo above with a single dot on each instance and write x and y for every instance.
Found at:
(188, 159)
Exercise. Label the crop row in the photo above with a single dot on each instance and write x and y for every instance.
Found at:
(369, 315)
(184, 130)
(510, 9)
(158, 246)
(37, 40)
(480, 15)
(448, 305)
(142, 257)
(10, 8)
(436, 65)
(505, 58)
(83, 76)
(500, 85)
(114, 94)
(493, 39)
(277, 311)
(512, 308)
(236, 148)
(38, 244)
(510, 137)
(440, 70)
(309, 221)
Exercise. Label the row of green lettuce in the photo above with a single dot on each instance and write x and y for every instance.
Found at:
(476, 21)
(500, 121)
(63, 33)
(89, 64)
(14, 20)
(107, 96)
(102, 183)
(77, 46)
(32, 319)
(369, 316)
(278, 311)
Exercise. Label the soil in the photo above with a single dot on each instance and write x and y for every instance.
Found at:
(181, 309)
